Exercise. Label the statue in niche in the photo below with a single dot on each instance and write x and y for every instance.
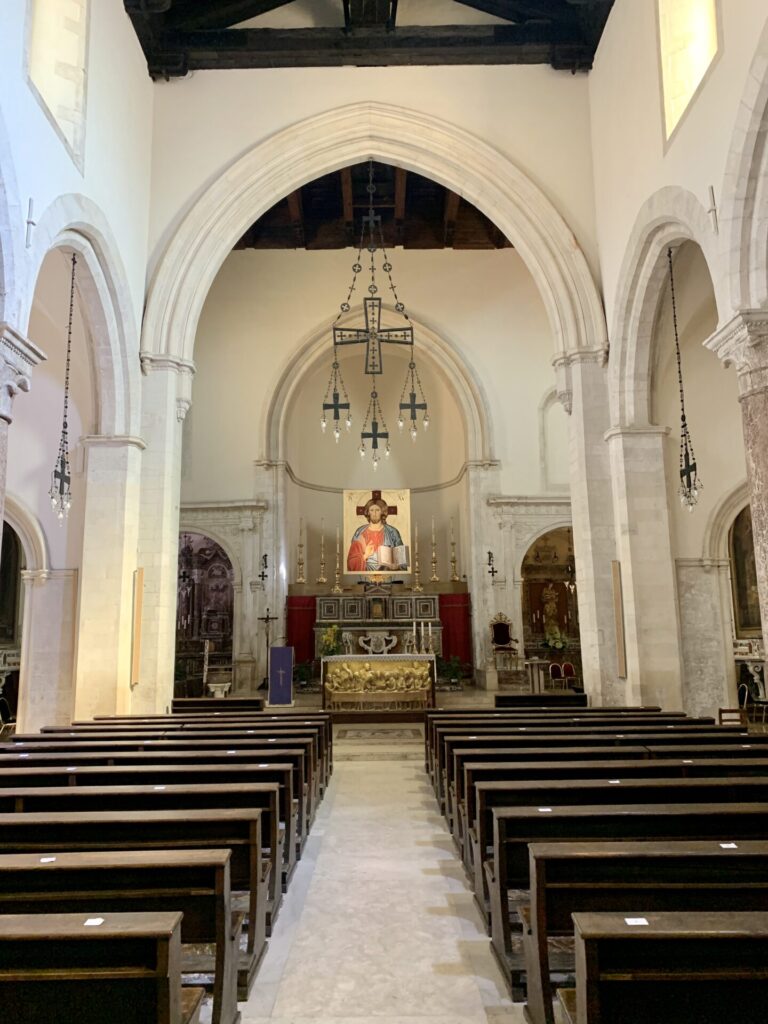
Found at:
(550, 613)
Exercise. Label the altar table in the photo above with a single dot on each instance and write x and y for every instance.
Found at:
(370, 682)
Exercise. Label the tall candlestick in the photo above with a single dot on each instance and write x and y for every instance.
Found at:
(336, 588)
(322, 578)
(300, 566)
(416, 574)
(434, 578)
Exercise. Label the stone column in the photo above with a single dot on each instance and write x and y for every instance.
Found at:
(582, 388)
(18, 357)
(743, 343)
(46, 690)
(110, 540)
(643, 542)
(165, 400)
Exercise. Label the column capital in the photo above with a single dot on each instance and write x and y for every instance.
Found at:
(153, 362)
(18, 357)
(742, 342)
(650, 430)
(563, 364)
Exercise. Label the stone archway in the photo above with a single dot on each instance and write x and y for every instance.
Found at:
(405, 138)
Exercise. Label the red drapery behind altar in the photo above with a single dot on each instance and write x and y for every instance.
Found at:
(455, 617)
(300, 621)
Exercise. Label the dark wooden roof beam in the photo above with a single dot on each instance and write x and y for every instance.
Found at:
(346, 200)
(372, 46)
(450, 214)
(296, 213)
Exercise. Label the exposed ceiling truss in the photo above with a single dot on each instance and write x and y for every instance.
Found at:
(416, 213)
(179, 36)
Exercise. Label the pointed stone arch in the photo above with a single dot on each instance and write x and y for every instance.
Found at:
(75, 222)
(670, 216)
(449, 155)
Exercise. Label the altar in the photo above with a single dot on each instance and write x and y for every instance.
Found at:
(378, 682)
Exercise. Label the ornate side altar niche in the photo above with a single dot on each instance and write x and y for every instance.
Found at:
(384, 682)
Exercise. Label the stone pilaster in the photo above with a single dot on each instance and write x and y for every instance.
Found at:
(271, 479)
(110, 540)
(709, 671)
(582, 388)
(743, 343)
(165, 401)
(483, 535)
(46, 689)
(644, 549)
(18, 357)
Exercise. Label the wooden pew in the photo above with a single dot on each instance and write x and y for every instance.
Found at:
(206, 705)
(494, 719)
(125, 969)
(58, 768)
(515, 827)
(223, 746)
(567, 878)
(513, 772)
(676, 969)
(491, 796)
(607, 737)
(174, 774)
(229, 828)
(554, 700)
(193, 882)
(266, 797)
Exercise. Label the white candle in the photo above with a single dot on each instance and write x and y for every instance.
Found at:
(433, 529)
(430, 630)
(422, 633)
(414, 629)
(337, 540)
(451, 530)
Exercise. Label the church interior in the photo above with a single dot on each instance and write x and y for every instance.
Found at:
(384, 492)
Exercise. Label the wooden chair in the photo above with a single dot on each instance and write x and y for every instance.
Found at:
(503, 644)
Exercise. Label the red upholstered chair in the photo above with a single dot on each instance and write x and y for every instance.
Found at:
(568, 670)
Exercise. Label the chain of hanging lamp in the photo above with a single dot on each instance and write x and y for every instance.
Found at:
(374, 427)
(690, 484)
(61, 477)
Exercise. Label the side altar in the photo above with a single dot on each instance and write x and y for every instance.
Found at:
(375, 682)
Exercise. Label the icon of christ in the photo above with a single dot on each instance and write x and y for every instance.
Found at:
(376, 545)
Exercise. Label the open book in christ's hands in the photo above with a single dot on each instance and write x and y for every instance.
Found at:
(394, 558)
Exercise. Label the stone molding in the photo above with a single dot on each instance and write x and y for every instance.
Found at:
(309, 486)
(112, 441)
(708, 564)
(636, 431)
(525, 518)
(742, 342)
(37, 577)
(184, 368)
(18, 357)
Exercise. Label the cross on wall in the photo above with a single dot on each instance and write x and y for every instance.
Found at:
(376, 496)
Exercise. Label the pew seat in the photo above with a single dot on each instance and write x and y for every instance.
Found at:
(121, 968)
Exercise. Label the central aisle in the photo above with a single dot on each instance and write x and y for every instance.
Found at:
(379, 922)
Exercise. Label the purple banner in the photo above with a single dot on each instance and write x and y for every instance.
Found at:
(280, 676)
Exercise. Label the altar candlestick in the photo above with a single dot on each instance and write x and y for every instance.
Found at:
(322, 577)
(336, 588)
(422, 636)
(416, 573)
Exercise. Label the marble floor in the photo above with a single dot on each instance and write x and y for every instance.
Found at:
(379, 923)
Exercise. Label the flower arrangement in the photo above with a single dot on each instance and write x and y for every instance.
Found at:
(556, 642)
(330, 642)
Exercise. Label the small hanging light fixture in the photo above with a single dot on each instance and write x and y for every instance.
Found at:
(60, 492)
(690, 484)
(373, 336)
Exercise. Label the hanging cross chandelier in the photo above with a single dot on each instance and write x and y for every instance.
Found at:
(61, 477)
(373, 336)
(690, 485)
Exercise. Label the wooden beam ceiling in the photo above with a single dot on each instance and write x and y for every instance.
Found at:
(416, 213)
(179, 36)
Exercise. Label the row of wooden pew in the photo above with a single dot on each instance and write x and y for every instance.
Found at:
(625, 847)
(136, 850)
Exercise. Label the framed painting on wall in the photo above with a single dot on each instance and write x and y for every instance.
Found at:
(377, 532)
